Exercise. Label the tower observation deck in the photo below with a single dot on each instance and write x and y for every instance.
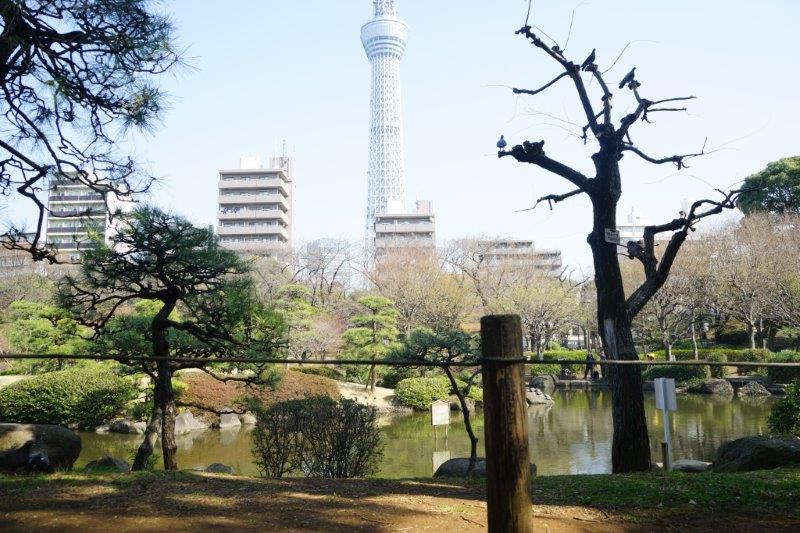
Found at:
(384, 39)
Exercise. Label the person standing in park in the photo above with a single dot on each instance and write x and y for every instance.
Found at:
(589, 365)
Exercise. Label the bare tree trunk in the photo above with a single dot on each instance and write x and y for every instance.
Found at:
(148, 445)
(751, 333)
(695, 351)
(166, 402)
(630, 450)
(462, 401)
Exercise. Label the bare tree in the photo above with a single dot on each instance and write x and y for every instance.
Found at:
(76, 75)
(631, 447)
(326, 268)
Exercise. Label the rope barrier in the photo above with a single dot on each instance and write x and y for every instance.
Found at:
(398, 362)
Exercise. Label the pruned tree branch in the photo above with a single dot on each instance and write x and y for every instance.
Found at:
(553, 198)
(533, 153)
(657, 271)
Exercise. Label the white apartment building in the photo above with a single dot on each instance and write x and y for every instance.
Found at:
(521, 253)
(400, 228)
(255, 206)
(75, 210)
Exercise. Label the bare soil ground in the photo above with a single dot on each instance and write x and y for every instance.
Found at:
(188, 501)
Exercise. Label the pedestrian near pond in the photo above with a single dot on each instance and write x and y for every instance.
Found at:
(589, 365)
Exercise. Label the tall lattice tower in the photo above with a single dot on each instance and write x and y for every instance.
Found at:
(384, 39)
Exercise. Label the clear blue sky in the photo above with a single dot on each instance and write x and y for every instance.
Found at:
(267, 70)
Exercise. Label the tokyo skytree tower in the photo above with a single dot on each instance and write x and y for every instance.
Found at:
(384, 39)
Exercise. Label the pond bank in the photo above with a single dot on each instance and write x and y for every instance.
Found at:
(185, 501)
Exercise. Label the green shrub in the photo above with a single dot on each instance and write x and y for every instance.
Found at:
(716, 371)
(397, 374)
(323, 371)
(679, 373)
(784, 374)
(319, 436)
(554, 355)
(142, 408)
(418, 393)
(550, 368)
(76, 397)
(752, 356)
(785, 415)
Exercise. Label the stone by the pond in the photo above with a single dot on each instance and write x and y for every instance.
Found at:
(690, 465)
(248, 419)
(458, 468)
(753, 388)
(37, 444)
(218, 468)
(544, 382)
(757, 453)
(123, 425)
(107, 464)
(537, 397)
(229, 420)
(455, 405)
(186, 422)
(719, 387)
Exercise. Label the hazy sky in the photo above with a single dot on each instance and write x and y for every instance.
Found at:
(268, 70)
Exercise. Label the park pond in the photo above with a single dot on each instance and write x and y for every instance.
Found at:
(572, 436)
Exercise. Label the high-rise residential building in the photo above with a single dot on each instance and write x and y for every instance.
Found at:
(521, 253)
(255, 206)
(400, 229)
(633, 228)
(76, 210)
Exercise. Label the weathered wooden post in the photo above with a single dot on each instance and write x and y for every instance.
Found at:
(508, 480)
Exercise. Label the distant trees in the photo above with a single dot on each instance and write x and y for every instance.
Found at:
(776, 189)
(76, 75)
(374, 333)
(195, 289)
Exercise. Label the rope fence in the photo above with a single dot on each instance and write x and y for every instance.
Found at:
(398, 362)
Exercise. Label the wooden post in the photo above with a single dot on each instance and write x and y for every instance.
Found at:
(508, 482)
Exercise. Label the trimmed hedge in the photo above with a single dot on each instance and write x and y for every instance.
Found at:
(679, 373)
(77, 397)
(324, 371)
(784, 417)
(784, 374)
(418, 393)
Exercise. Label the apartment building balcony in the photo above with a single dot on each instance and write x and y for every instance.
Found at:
(253, 246)
(223, 231)
(252, 214)
(265, 182)
(251, 199)
(404, 228)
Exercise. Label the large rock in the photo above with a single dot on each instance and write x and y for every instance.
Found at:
(753, 388)
(458, 468)
(186, 423)
(218, 468)
(248, 419)
(719, 387)
(37, 447)
(544, 382)
(690, 465)
(123, 425)
(537, 397)
(229, 420)
(757, 453)
(107, 464)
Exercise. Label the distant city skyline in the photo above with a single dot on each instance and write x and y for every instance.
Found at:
(268, 70)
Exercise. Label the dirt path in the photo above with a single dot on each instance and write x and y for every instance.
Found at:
(187, 501)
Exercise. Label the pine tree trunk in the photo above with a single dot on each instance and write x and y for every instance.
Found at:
(473, 440)
(166, 402)
(150, 437)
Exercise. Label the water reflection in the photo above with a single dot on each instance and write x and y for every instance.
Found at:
(571, 436)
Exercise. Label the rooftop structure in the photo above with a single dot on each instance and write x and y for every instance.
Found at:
(406, 229)
(384, 39)
(255, 206)
(633, 229)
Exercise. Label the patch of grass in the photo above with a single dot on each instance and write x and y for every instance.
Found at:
(761, 492)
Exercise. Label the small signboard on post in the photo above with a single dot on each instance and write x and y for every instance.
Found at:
(440, 415)
(666, 401)
(612, 236)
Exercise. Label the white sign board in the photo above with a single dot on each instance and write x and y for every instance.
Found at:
(440, 413)
(665, 394)
(612, 236)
